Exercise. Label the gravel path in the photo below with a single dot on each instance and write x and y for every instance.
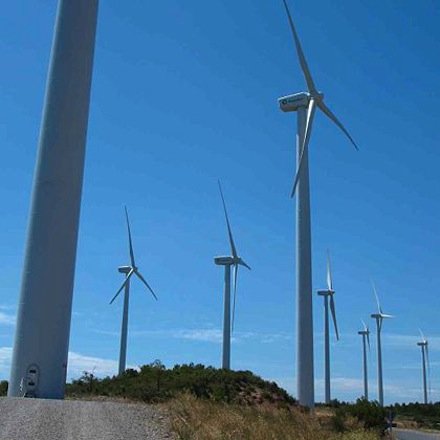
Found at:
(35, 419)
(408, 434)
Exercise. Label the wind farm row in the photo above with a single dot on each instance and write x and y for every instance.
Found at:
(233, 261)
(305, 104)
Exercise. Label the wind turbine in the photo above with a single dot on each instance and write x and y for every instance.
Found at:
(328, 294)
(423, 344)
(39, 360)
(379, 317)
(235, 261)
(365, 333)
(129, 271)
(304, 103)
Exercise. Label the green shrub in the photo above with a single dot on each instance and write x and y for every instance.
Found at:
(3, 387)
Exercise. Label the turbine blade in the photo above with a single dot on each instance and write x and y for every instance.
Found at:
(231, 239)
(130, 243)
(333, 311)
(377, 298)
(123, 285)
(368, 340)
(243, 263)
(329, 272)
(145, 282)
(305, 145)
(365, 325)
(235, 294)
(302, 58)
(385, 316)
(331, 115)
(422, 335)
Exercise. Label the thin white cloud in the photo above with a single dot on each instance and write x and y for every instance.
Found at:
(212, 335)
(410, 341)
(343, 384)
(6, 319)
(76, 365)
(5, 358)
(202, 335)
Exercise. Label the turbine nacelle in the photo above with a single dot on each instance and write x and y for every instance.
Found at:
(230, 261)
(326, 292)
(124, 269)
(224, 261)
(291, 103)
(380, 316)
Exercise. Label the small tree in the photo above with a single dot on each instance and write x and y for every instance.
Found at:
(159, 368)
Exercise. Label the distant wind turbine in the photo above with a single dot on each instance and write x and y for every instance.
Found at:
(379, 317)
(365, 333)
(129, 271)
(304, 103)
(328, 294)
(235, 261)
(423, 344)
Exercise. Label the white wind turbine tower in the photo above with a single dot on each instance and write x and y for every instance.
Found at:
(423, 344)
(379, 317)
(328, 294)
(235, 261)
(39, 360)
(129, 271)
(304, 103)
(365, 333)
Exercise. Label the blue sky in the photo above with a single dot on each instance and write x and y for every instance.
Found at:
(184, 94)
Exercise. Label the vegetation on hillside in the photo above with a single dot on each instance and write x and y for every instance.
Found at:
(155, 383)
(423, 416)
(369, 415)
(215, 404)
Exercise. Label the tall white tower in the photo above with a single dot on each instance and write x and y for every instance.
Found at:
(41, 345)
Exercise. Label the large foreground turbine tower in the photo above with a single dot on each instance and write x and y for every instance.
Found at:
(39, 360)
(304, 103)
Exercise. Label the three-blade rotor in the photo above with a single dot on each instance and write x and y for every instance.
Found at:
(316, 99)
(237, 261)
(133, 268)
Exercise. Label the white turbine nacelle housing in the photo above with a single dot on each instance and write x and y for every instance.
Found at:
(326, 292)
(224, 261)
(292, 103)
